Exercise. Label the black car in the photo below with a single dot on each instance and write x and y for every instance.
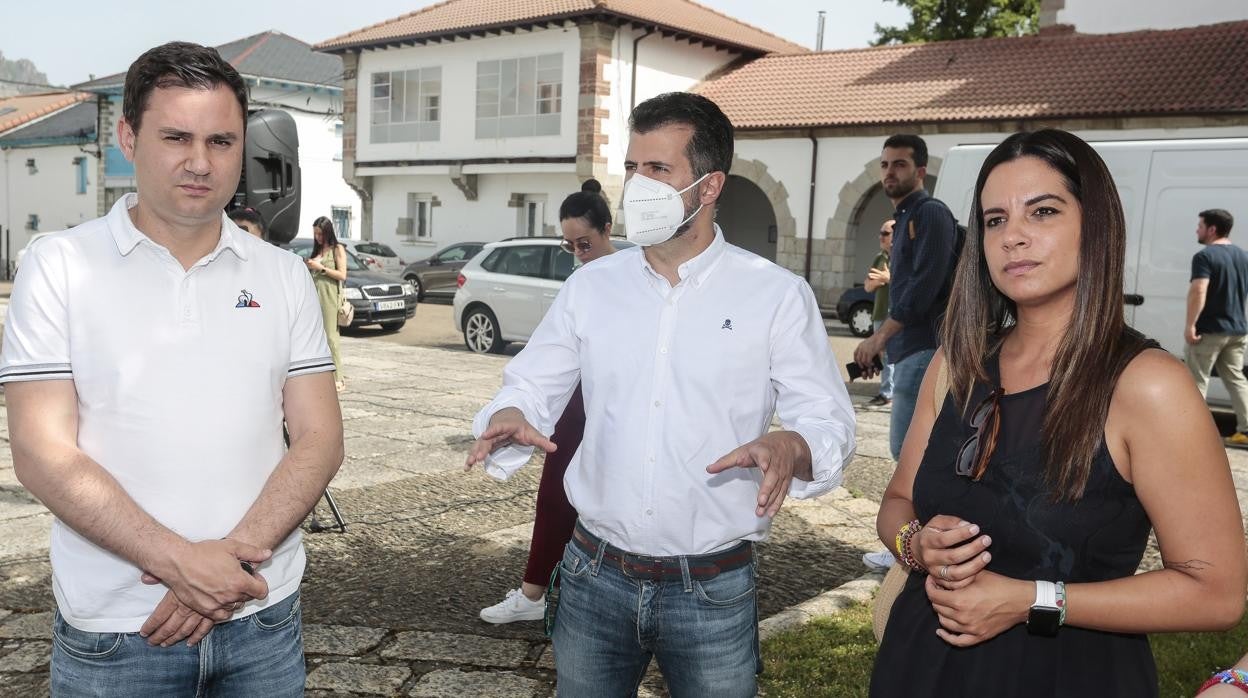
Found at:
(855, 308)
(438, 275)
(379, 298)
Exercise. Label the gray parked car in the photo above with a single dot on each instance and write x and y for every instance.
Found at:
(437, 275)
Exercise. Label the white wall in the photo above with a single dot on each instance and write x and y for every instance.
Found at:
(1110, 16)
(843, 160)
(50, 193)
(663, 65)
(458, 60)
(320, 153)
(487, 219)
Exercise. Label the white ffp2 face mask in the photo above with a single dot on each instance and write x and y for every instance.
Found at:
(654, 210)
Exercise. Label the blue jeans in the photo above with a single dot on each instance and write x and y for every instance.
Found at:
(260, 655)
(907, 377)
(703, 633)
(886, 376)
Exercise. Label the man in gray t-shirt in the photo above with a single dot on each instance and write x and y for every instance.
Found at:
(1216, 331)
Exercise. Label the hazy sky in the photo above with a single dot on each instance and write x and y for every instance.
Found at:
(72, 39)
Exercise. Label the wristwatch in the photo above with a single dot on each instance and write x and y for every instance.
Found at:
(1045, 616)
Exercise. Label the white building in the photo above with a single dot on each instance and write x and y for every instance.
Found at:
(48, 177)
(460, 124)
(472, 121)
(281, 72)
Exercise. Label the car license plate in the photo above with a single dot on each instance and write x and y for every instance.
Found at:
(390, 305)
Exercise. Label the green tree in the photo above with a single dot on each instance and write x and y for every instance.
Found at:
(942, 20)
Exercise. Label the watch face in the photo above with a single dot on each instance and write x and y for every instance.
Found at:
(1044, 621)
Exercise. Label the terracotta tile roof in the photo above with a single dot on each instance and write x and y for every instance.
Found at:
(460, 16)
(1197, 70)
(22, 109)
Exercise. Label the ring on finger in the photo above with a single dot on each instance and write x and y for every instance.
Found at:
(944, 572)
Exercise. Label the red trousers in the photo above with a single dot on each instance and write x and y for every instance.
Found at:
(552, 529)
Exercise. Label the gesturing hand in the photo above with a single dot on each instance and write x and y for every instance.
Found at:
(779, 455)
(507, 426)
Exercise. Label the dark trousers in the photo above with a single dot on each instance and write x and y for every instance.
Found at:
(555, 516)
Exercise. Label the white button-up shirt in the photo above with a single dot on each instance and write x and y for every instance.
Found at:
(673, 379)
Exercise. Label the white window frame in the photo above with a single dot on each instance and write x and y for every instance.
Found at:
(398, 116)
(520, 97)
(531, 215)
(418, 225)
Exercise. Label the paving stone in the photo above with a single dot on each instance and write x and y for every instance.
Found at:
(28, 626)
(460, 649)
(371, 679)
(340, 639)
(478, 684)
(27, 658)
(547, 660)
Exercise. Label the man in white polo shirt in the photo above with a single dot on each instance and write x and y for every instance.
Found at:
(149, 360)
(684, 348)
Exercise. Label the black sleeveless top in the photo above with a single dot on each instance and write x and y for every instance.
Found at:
(1100, 537)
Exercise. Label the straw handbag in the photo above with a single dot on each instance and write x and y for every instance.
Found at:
(897, 575)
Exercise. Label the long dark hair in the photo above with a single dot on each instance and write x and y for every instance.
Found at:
(588, 203)
(330, 241)
(1097, 344)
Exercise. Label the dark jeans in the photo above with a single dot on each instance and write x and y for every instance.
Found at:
(260, 656)
(552, 528)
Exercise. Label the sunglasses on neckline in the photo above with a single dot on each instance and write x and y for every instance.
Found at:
(976, 451)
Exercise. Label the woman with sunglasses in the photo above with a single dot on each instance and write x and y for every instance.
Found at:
(1024, 506)
(585, 219)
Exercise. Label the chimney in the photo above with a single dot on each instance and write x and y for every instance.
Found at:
(819, 36)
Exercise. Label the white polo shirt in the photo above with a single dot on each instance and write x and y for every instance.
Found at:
(179, 375)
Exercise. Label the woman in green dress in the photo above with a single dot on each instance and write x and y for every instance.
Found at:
(328, 264)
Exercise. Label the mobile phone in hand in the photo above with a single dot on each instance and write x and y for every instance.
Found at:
(855, 371)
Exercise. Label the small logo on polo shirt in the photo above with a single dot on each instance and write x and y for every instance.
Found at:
(245, 300)
(727, 325)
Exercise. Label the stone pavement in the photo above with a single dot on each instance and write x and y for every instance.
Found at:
(390, 607)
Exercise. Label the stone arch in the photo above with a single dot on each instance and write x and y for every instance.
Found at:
(787, 249)
(845, 224)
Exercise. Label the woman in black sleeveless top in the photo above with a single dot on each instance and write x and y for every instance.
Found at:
(1024, 507)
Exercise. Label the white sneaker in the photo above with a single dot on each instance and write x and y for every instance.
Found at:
(515, 607)
(876, 561)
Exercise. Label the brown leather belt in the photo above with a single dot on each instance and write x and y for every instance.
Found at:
(701, 567)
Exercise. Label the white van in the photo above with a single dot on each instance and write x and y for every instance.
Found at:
(1164, 184)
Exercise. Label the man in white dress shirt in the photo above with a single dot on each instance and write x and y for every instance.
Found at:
(685, 347)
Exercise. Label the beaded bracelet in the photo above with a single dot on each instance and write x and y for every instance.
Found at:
(903, 545)
(1231, 677)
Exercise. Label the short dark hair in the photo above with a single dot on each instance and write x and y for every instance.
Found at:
(588, 203)
(177, 64)
(249, 215)
(710, 146)
(1219, 218)
(917, 146)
